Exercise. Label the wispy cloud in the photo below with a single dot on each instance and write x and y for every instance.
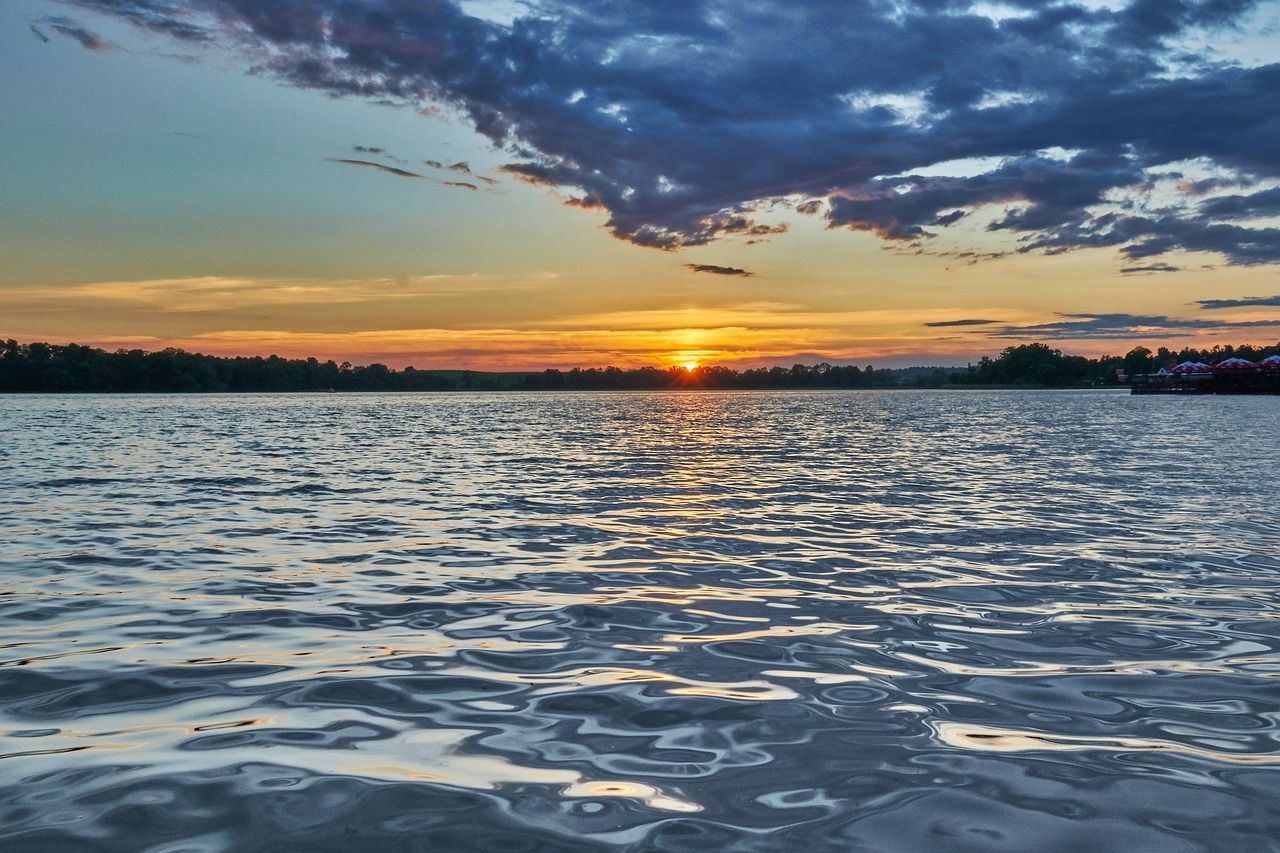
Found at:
(1150, 268)
(1243, 302)
(382, 167)
(1124, 327)
(211, 294)
(719, 270)
(942, 324)
(72, 30)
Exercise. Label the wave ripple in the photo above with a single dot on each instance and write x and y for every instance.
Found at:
(951, 621)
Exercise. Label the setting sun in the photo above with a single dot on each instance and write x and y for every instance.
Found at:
(690, 366)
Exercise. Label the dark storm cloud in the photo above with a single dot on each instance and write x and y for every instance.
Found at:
(1246, 302)
(684, 119)
(718, 270)
(943, 324)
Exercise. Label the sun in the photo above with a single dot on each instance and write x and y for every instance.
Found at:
(690, 366)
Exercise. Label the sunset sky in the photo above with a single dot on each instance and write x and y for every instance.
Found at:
(545, 184)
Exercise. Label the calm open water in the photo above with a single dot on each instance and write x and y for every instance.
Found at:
(881, 622)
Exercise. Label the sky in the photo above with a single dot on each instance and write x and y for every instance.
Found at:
(496, 184)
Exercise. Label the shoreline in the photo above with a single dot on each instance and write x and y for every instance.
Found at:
(454, 391)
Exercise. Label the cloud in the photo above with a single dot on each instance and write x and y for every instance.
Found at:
(403, 173)
(717, 270)
(1150, 268)
(72, 30)
(684, 120)
(391, 170)
(223, 294)
(1122, 327)
(38, 33)
(1246, 302)
(942, 324)
(1261, 203)
(461, 166)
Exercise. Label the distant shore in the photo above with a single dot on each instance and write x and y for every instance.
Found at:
(73, 368)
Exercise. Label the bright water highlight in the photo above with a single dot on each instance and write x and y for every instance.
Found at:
(890, 622)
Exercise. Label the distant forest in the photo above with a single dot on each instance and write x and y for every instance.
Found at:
(41, 367)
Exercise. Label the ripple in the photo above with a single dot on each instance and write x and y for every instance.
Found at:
(886, 621)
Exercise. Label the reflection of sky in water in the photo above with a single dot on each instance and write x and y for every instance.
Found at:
(899, 621)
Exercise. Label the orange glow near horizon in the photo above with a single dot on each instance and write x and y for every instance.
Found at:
(480, 324)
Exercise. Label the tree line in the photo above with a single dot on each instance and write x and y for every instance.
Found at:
(43, 367)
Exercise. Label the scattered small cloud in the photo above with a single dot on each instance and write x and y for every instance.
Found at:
(37, 33)
(719, 270)
(464, 168)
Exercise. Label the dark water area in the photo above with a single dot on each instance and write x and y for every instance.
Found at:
(881, 622)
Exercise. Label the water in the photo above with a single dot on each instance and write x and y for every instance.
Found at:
(913, 621)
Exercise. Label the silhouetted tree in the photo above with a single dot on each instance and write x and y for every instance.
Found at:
(42, 367)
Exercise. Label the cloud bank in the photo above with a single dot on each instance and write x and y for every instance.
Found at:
(1078, 124)
(1245, 302)
(1125, 327)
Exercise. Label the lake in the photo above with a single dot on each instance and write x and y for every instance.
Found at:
(864, 621)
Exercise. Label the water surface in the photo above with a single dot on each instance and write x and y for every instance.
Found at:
(882, 622)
